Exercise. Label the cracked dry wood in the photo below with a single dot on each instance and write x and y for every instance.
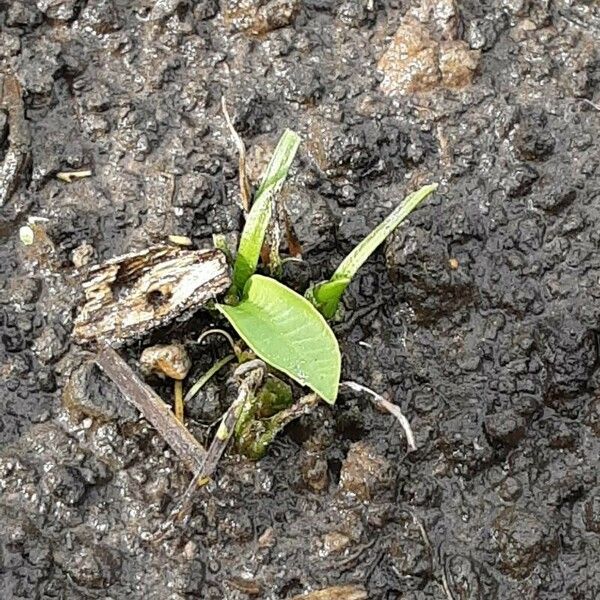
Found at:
(130, 295)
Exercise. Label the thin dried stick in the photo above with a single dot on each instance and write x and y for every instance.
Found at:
(250, 376)
(245, 189)
(390, 407)
(153, 409)
(222, 332)
(11, 168)
(69, 176)
(179, 400)
(596, 106)
(337, 592)
(207, 376)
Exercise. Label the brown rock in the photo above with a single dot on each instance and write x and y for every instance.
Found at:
(425, 54)
(315, 472)
(410, 64)
(335, 542)
(457, 64)
(171, 360)
(364, 472)
(259, 16)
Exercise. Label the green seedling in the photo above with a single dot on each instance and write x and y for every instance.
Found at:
(253, 234)
(326, 295)
(287, 331)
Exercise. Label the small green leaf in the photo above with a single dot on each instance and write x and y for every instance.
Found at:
(327, 294)
(253, 234)
(288, 333)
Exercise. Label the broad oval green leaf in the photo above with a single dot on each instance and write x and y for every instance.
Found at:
(289, 333)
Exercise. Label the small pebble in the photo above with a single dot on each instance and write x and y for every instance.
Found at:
(171, 360)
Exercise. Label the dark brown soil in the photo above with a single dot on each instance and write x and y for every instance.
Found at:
(480, 318)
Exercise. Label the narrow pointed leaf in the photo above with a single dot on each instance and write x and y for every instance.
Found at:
(253, 234)
(288, 333)
(327, 294)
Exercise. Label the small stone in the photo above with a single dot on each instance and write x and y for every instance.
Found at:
(267, 538)
(190, 550)
(180, 240)
(457, 64)
(364, 472)
(259, 16)
(63, 10)
(171, 360)
(506, 427)
(335, 542)
(82, 255)
(26, 235)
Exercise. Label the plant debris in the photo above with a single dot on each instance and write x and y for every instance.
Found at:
(388, 406)
(130, 295)
(70, 176)
(18, 137)
(337, 592)
(153, 409)
(249, 376)
(245, 187)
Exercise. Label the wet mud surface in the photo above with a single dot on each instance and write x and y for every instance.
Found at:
(480, 318)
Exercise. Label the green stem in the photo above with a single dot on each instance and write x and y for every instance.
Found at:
(207, 376)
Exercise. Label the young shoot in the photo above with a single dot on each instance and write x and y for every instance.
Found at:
(255, 228)
(326, 295)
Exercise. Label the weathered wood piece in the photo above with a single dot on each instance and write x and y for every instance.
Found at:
(130, 295)
(337, 592)
(15, 158)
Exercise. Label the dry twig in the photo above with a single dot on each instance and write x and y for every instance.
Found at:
(15, 157)
(245, 188)
(390, 407)
(153, 409)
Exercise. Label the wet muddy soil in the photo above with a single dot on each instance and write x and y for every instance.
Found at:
(480, 318)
